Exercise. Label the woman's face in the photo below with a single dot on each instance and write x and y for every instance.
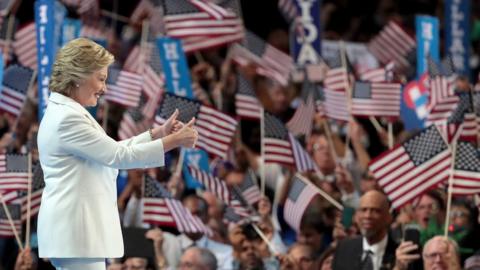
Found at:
(90, 90)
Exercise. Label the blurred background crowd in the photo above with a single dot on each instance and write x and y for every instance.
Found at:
(273, 193)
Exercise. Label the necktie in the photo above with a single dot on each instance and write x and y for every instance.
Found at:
(367, 263)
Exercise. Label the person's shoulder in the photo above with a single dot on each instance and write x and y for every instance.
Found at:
(349, 243)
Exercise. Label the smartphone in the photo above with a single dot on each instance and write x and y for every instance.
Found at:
(347, 216)
(411, 232)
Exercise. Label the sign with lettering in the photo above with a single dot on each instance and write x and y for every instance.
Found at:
(174, 63)
(306, 33)
(457, 34)
(427, 34)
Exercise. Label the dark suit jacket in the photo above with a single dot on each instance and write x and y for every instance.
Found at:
(348, 254)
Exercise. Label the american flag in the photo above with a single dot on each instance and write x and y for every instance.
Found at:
(382, 74)
(392, 44)
(441, 83)
(215, 129)
(335, 104)
(462, 122)
(13, 172)
(161, 209)
(201, 24)
(147, 62)
(270, 61)
(300, 195)
(249, 189)
(16, 81)
(337, 77)
(466, 170)
(246, 102)
(376, 99)
(411, 168)
(302, 120)
(132, 124)
(124, 87)
(440, 112)
(25, 46)
(37, 189)
(280, 146)
(211, 183)
(5, 227)
(9, 196)
(288, 9)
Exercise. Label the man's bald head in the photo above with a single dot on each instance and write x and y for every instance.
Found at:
(374, 216)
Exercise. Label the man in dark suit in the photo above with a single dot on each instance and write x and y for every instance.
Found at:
(374, 250)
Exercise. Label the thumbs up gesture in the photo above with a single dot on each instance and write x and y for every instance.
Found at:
(187, 134)
(172, 125)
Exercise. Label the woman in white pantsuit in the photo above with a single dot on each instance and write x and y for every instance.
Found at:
(78, 223)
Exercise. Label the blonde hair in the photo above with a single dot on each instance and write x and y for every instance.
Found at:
(75, 61)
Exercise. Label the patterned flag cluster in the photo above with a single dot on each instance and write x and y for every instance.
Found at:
(201, 24)
(299, 197)
(249, 189)
(132, 124)
(16, 80)
(411, 168)
(334, 104)
(38, 184)
(466, 170)
(161, 209)
(392, 44)
(337, 77)
(282, 147)
(25, 46)
(441, 81)
(215, 128)
(146, 61)
(124, 87)
(211, 183)
(376, 99)
(13, 172)
(383, 74)
(5, 227)
(246, 102)
(270, 61)
(302, 120)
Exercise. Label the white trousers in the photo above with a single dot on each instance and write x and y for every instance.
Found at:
(79, 263)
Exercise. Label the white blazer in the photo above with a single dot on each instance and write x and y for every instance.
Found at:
(78, 214)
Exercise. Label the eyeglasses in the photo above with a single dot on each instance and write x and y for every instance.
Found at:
(458, 214)
(433, 255)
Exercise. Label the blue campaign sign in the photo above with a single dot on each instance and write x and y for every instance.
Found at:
(457, 34)
(413, 107)
(427, 34)
(174, 63)
(196, 158)
(44, 25)
(70, 30)
(305, 33)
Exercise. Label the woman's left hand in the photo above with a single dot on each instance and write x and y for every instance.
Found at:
(172, 125)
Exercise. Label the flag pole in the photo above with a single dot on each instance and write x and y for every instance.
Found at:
(265, 239)
(29, 199)
(114, 16)
(325, 195)
(330, 142)
(390, 135)
(349, 94)
(262, 150)
(11, 20)
(450, 183)
(10, 220)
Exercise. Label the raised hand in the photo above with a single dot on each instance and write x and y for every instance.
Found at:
(171, 123)
(188, 135)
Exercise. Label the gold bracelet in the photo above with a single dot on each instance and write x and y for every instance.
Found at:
(150, 131)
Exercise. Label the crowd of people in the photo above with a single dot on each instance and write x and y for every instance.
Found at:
(371, 236)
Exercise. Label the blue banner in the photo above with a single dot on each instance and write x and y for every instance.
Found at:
(305, 33)
(457, 34)
(413, 106)
(174, 63)
(196, 158)
(70, 30)
(427, 34)
(48, 21)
